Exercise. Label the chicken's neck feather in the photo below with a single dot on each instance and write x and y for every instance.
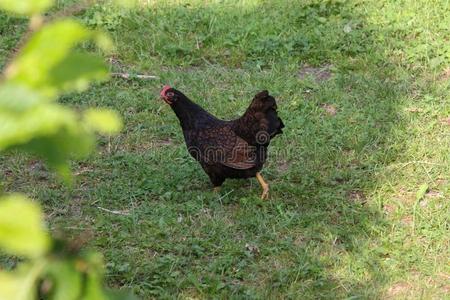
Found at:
(189, 113)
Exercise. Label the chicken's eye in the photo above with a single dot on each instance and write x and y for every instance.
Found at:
(170, 94)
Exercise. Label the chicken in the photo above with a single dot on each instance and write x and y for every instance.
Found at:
(228, 149)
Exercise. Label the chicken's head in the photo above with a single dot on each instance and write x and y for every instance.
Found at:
(168, 94)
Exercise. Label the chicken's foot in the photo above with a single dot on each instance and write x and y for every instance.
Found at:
(264, 185)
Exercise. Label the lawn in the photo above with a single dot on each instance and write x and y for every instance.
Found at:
(360, 180)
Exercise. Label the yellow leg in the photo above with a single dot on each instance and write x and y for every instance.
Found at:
(264, 185)
(216, 189)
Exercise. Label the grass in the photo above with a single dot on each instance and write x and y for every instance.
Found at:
(343, 220)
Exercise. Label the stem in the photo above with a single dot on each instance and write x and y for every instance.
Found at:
(30, 280)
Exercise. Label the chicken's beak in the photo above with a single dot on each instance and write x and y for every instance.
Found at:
(167, 101)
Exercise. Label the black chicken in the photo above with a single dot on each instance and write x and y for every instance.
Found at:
(228, 149)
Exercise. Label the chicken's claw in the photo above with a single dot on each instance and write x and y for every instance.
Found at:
(264, 185)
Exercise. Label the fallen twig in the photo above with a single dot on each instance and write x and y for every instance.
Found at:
(129, 76)
(116, 212)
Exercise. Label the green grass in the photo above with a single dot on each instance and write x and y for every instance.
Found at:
(343, 220)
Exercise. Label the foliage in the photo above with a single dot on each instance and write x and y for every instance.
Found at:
(55, 270)
(26, 7)
(18, 236)
(42, 71)
(31, 120)
(105, 16)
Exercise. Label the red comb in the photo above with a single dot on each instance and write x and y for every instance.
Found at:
(164, 90)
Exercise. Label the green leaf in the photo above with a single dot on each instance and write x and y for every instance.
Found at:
(67, 281)
(20, 284)
(17, 99)
(46, 67)
(10, 285)
(44, 58)
(25, 7)
(103, 120)
(38, 120)
(15, 287)
(94, 286)
(42, 53)
(58, 148)
(76, 71)
(29, 122)
(421, 192)
(21, 227)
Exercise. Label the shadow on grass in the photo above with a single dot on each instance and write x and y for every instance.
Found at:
(318, 237)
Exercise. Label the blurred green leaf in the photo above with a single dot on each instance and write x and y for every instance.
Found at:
(51, 132)
(66, 279)
(43, 58)
(70, 141)
(103, 120)
(76, 71)
(10, 285)
(94, 285)
(21, 227)
(36, 121)
(29, 122)
(94, 288)
(42, 53)
(20, 284)
(44, 69)
(15, 287)
(15, 99)
(25, 7)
